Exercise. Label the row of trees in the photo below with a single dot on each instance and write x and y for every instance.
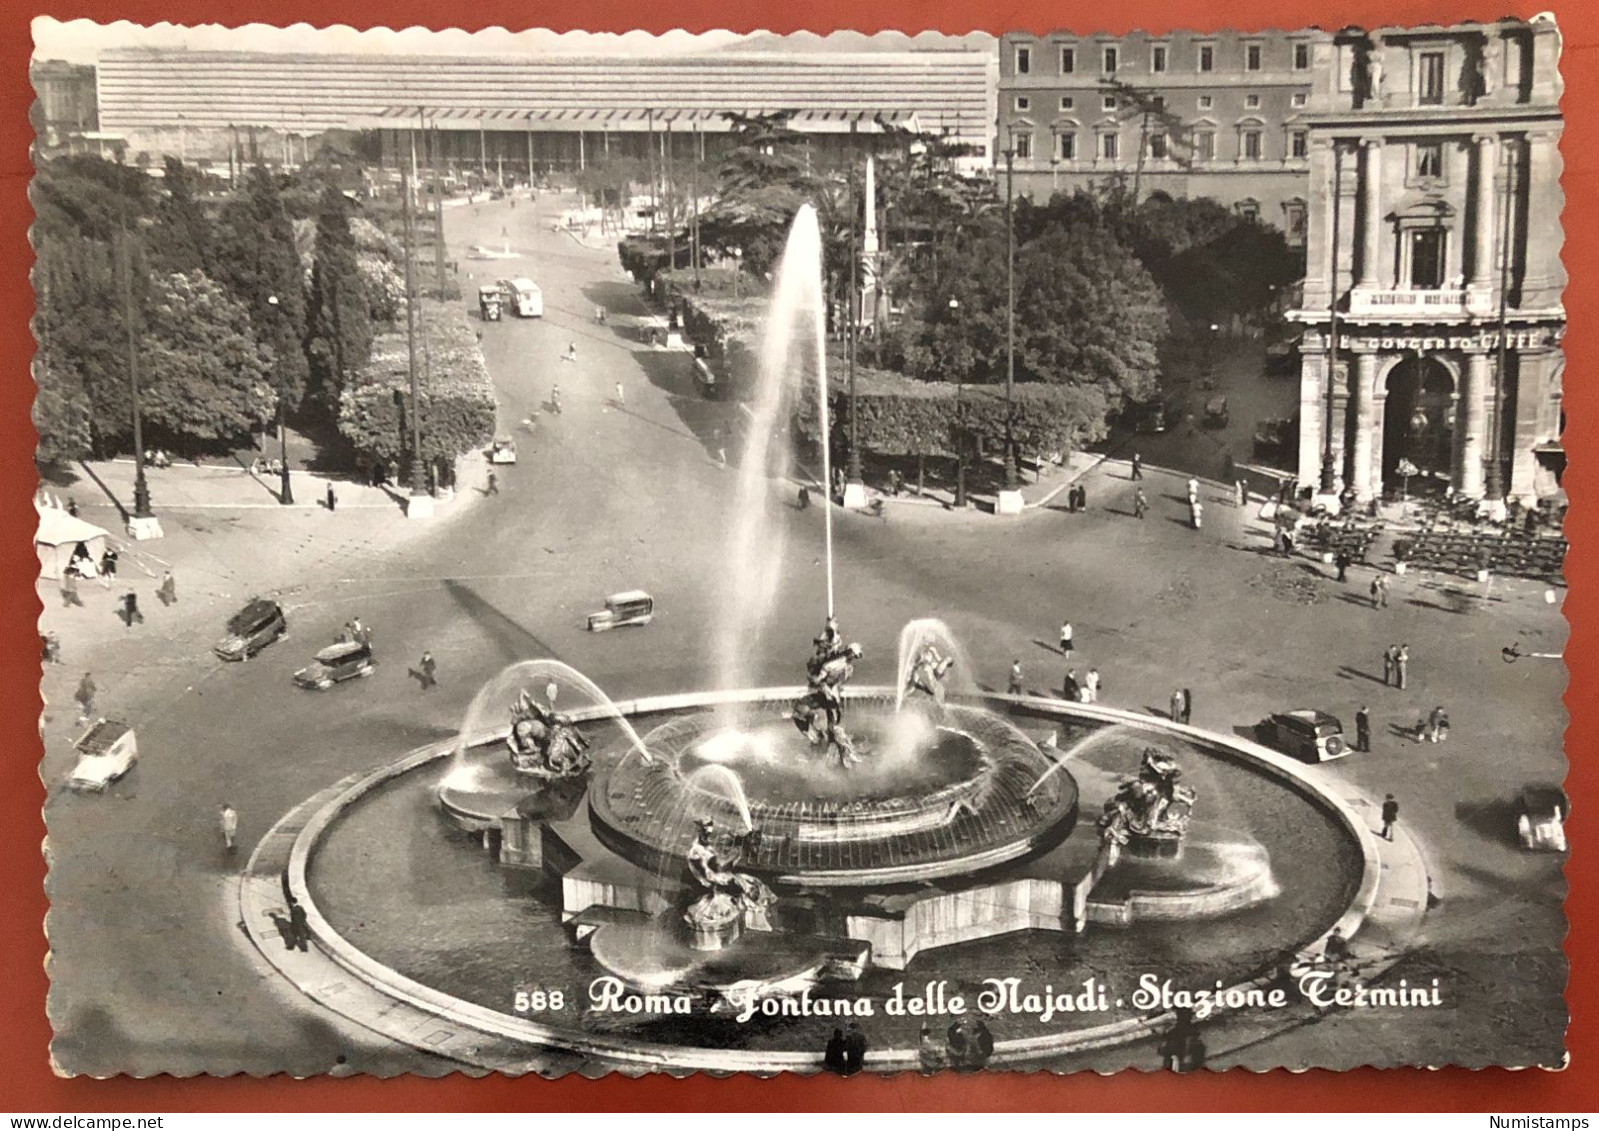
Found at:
(269, 301)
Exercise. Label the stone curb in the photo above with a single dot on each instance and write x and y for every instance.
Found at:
(486, 1038)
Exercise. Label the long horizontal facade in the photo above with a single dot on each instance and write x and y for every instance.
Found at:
(561, 108)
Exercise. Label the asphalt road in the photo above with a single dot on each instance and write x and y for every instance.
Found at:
(151, 973)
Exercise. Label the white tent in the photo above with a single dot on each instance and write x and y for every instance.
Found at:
(59, 538)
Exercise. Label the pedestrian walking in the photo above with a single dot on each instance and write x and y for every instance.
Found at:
(1363, 730)
(494, 484)
(69, 590)
(230, 827)
(571, 352)
(1091, 685)
(1138, 466)
(1342, 562)
(1140, 503)
(1376, 591)
(621, 397)
(85, 697)
(1082, 496)
(1390, 662)
(1066, 638)
(1240, 493)
(426, 668)
(169, 589)
(1197, 513)
(1437, 725)
(108, 567)
(332, 500)
(72, 506)
(1402, 666)
(1193, 491)
(1390, 817)
(299, 927)
(1071, 688)
(1188, 706)
(130, 609)
(1015, 685)
(804, 497)
(1382, 591)
(896, 482)
(52, 648)
(1177, 706)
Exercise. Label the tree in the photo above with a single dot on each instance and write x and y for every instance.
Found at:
(203, 374)
(180, 238)
(257, 262)
(339, 323)
(761, 184)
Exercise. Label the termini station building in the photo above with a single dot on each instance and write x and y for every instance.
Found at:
(1431, 351)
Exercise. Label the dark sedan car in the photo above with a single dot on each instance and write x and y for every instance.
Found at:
(1311, 736)
(251, 629)
(348, 659)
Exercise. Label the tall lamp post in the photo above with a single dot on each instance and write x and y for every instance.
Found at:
(960, 450)
(286, 490)
(1010, 497)
(143, 524)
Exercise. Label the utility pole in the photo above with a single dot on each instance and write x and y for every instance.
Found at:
(1496, 475)
(143, 524)
(694, 223)
(438, 213)
(420, 504)
(649, 158)
(1010, 499)
(671, 225)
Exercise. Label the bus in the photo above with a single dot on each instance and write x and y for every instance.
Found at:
(525, 298)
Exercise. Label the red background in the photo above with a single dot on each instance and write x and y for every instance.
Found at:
(26, 1081)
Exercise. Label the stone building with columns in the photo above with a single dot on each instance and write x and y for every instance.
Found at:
(1432, 300)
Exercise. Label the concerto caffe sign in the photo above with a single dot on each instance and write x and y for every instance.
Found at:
(1482, 340)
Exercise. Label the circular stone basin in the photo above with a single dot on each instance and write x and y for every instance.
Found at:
(933, 794)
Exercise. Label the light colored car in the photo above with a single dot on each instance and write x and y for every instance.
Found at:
(1541, 818)
(1311, 736)
(503, 450)
(106, 752)
(348, 659)
(633, 607)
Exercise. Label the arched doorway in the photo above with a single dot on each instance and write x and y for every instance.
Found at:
(1419, 422)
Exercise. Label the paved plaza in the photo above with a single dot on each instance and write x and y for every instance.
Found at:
(611, 496)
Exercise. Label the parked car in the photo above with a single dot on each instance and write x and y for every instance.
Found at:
(251, 629)
(1282, 356)
(106, 752)
(1149, 418)
(1216, 413)
(348, 659)
(632, 607)
(1311, 736)
(503, 450)
(1541, 818)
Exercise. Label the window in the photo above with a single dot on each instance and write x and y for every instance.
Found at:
(1252, 101)
(1294, 221)
(1110, 146)
(1024, 60)
(1108, 60)
(1300, 98)
(1205, 145)
(1252, 56)
(1301, 56)
(1068, 60)
(1430, 159)
(1207, 56)
(1298, 144)
(1157, 146)
(1067, 102)
(1430, 88)
(1250, 145)
(1427, 259)
(1066, 146)
(1157, 58)
(1022, 146)
(1158, 101)
(1108, 103)
(1249, 209)
(1206, 102)
(1023, 103)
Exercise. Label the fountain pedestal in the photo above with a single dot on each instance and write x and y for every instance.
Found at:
(714, 923)
(1010, 502)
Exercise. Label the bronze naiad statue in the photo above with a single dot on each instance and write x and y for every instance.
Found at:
(545, 743)
(820, 714)
(1151, 808)
(729, 900)
(926, 679)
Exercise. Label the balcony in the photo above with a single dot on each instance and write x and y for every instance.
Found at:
(1435, 303)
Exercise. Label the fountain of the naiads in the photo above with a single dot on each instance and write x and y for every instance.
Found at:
(819, 841)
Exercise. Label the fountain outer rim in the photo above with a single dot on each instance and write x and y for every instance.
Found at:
(531, 1036)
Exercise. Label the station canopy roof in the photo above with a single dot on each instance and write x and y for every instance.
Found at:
(635, 120)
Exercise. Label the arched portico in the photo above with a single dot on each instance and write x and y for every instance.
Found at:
(1417, 419)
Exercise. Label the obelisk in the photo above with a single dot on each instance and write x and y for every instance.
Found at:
(868, 311)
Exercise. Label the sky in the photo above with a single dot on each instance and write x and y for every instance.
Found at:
(80, 41)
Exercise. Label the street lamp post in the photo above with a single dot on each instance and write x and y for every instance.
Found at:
(1010, 497)
(143, 524)
(960, 450)
(286, 490)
